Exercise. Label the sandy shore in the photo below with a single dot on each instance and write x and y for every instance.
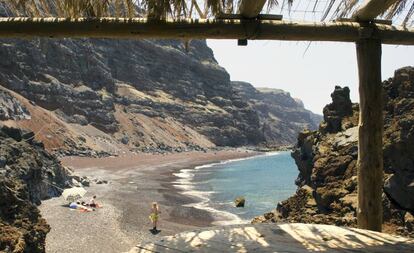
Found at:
(135, 180)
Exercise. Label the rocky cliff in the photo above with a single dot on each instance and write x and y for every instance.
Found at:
(326, 159)
(28, 174)
(142, 95)
(281, 116)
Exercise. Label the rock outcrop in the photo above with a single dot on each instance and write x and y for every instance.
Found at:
(326, 159)
(28, 174)
(281, 116)
(144, 94)
(11, 108)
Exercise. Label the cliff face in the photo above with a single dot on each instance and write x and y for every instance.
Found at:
(326, 159)
(141, 94)
(28, 174)
(97, 81)
(281, 116)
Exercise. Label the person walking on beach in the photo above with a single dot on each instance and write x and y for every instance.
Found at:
(154, 216)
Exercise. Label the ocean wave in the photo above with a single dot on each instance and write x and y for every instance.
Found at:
(209, 165)
(184, 183)
(187, 186)
(220, 217)
(184, 173)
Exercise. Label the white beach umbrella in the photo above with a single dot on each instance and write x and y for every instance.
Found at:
(73, 194)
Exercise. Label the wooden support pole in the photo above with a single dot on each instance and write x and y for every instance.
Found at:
(138, 28)
(370, 160)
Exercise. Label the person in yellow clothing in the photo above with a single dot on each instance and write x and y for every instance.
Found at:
(155, 215)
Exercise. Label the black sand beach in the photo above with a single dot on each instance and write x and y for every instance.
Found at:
(134, 181)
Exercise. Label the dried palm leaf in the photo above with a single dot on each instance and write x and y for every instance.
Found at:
(409, 15)
(347, 8)
(271, 4)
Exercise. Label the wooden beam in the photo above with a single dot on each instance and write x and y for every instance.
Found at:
(371, 9)
(251, 8)
(136, 28)
(370, 160)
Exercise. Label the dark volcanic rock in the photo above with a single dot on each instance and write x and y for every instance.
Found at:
(90, 81)
(327, 182)
(28, 174)
(80, 80)
(240, 202)
(399, 138)
(334, 112)
(21, 227)
(10, 108)
(281, 116)
(400, 188)
(27, 160)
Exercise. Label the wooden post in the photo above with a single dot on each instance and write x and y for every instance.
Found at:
(370, 161)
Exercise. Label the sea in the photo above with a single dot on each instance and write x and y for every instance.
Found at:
(263, 180)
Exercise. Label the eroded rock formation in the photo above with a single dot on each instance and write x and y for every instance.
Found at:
(145, 94)
(28, 174)
(281, 116)
(326, 159)
(11, 108)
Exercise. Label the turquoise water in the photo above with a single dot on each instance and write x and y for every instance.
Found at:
(262, 180)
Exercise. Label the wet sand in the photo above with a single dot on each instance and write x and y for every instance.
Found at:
(135, 181)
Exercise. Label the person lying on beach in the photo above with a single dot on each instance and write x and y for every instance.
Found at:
(73, 205)
(154, 216)
(92, 202)
(79, 206)
(85, 208)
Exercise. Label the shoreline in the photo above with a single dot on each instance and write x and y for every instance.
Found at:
(135, 180)
(183, 182)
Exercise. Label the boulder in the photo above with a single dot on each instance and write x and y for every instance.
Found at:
(400, 188)
(85, 182)
(125, 140)
(240, 202)
(12, 132)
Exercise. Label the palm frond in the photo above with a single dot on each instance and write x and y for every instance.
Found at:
(163, 9)
(348, 7)
(271, 4)
(328, 9)
(396, 9)
(214, 6)
(409, 15)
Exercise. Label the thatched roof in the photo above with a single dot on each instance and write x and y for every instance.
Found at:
(400, 12)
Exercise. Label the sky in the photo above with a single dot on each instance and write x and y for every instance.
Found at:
(308, 74)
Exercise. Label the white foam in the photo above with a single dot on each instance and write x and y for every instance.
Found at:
(236, 160)
(222, 217)
(184, 182)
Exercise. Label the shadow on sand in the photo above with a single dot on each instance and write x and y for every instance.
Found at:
(292, 238)
(155, 231)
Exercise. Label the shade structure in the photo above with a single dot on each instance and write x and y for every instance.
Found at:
(73, 194)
